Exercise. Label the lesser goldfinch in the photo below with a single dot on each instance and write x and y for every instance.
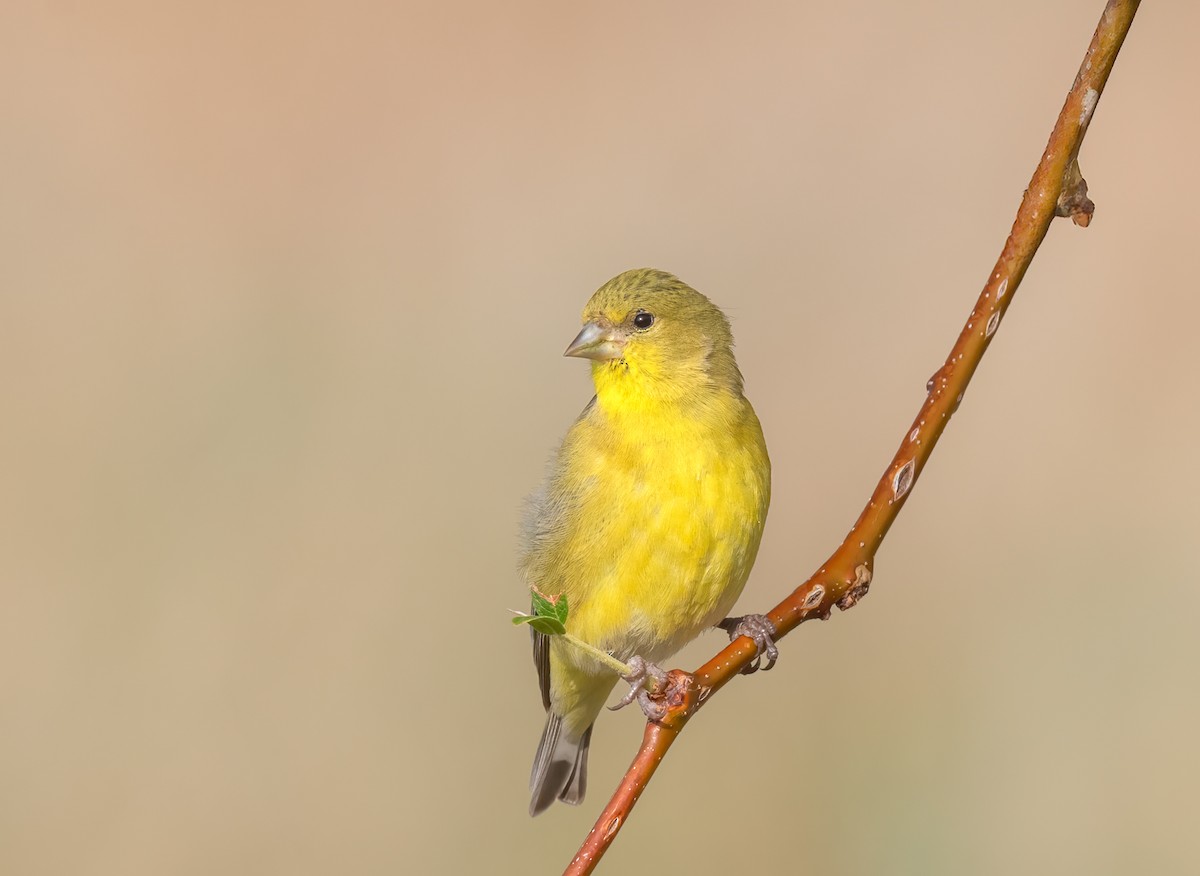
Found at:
(651, 514)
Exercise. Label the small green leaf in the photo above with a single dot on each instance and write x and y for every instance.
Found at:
(549, 606)
(543, 605)
(560, 609)
(549, 615)
(548, 626)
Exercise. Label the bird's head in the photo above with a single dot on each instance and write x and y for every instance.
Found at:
(647, 330)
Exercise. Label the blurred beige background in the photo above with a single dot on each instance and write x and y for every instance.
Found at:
(283, 292)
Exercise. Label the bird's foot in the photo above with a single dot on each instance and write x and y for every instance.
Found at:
(641, 671)
(761, 631)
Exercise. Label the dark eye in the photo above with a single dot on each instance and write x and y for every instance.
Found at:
(643, 320)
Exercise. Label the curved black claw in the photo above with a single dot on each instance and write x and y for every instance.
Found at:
(640, 671)
(759, 629)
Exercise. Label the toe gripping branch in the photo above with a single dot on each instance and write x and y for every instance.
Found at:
(759, 629)
(669, 691)
(641, 671)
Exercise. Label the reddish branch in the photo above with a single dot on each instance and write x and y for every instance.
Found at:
(1057, 189)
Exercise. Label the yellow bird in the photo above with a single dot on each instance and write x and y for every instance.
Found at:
(652, 511)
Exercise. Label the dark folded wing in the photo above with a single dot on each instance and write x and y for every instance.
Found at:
(541, 659)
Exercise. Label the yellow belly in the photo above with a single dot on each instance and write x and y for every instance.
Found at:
(667, 519)
(673, 561)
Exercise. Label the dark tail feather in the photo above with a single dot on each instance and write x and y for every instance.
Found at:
(559, 767)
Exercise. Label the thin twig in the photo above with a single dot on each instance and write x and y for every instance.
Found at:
(1057, 188)
(622, 669)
